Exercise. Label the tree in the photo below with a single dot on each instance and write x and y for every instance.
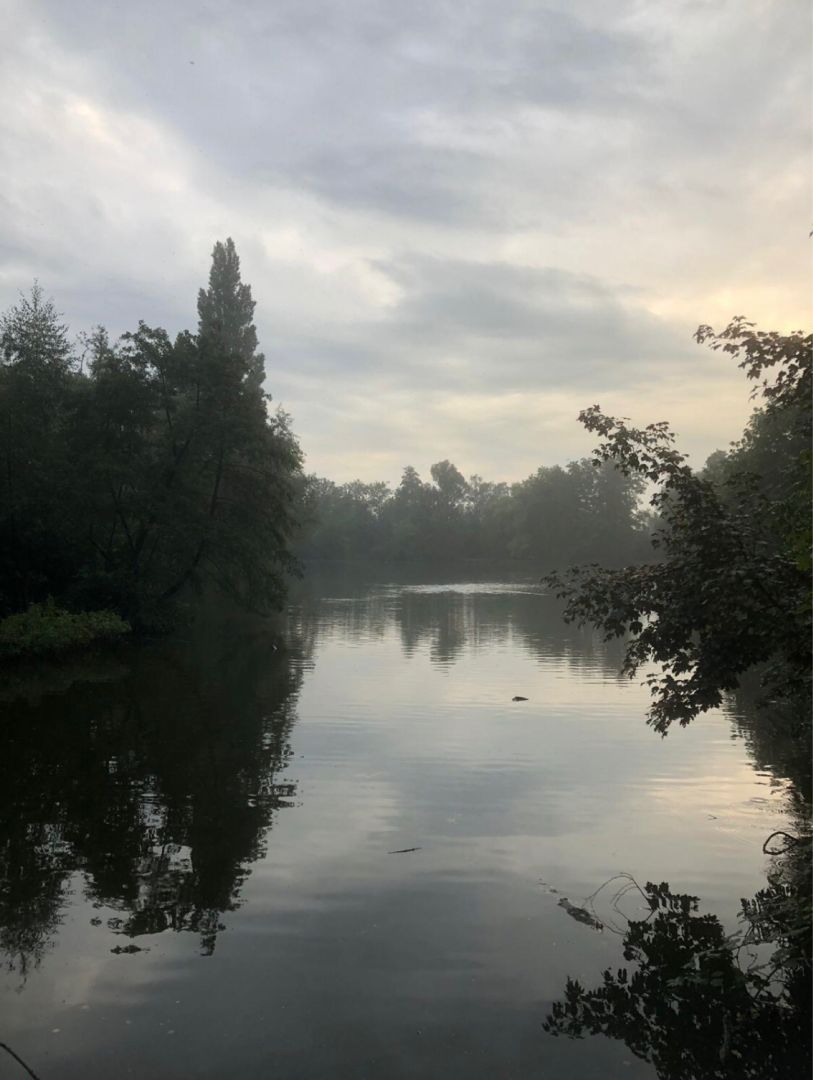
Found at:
(156, 466)
(546, 516)
(609, 526)
(487, 516)
(450, 483)
(732, 589)
(408, 514)
(224, 501)
(344, 520)
(34, 340)
(244, 459)
(36, 390)
(567, 514)
(226, 328)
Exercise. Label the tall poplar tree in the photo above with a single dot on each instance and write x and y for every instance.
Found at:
(226, 317)
(247, 458)
(189, 478)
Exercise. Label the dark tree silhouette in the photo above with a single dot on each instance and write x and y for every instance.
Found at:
(732, 587)
(690, 1005)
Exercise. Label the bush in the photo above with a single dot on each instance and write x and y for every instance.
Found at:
(45, 629)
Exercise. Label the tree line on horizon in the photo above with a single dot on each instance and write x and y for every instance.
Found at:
(133, 473)
(558, 516)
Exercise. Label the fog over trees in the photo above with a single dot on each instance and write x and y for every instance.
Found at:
(557, 516)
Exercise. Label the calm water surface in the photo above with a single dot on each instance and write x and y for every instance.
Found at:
(203, 871)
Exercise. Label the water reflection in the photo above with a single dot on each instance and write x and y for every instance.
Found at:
(447, 612)
(779, 743)
(158, 785)
(698, 1003)
(137, 796)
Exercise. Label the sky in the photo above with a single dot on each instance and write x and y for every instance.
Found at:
(462, 222)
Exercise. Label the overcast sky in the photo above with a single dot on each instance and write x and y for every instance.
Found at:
(462, 221)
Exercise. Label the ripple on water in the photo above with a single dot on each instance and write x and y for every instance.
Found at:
(247, 823)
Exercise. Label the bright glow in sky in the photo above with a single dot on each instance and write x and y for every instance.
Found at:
(462, 223)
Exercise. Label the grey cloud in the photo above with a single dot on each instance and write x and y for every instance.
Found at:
(326, 97)
(462, 325)
(413, 181)
(651, 156)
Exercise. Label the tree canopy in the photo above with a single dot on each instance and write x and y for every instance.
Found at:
(149, 466)
(731, 589)
(557, 516)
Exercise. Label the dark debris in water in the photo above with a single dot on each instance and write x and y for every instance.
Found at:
(580, 914)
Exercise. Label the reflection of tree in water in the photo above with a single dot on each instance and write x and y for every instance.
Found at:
(449, 621)
(159, 788)
(692, 1005)
(778, 739)
(697, 1003)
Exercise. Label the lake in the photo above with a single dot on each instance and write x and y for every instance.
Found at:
(353, 854)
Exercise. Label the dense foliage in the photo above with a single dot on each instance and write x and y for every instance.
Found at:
(558, 515)
(732, 589)
(45, 629)
(145, 466)
(696, 1002)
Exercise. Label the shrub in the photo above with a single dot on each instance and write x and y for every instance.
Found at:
(46, 629)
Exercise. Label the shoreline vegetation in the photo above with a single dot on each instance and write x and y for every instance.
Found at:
(141, 477)
(146, 488)
(45, 630)
(558, 516)
(139, 473)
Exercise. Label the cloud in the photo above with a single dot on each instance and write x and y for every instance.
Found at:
(452, 216)
(332, 99)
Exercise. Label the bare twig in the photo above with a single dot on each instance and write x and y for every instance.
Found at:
(792, 841)
(19, 1060)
